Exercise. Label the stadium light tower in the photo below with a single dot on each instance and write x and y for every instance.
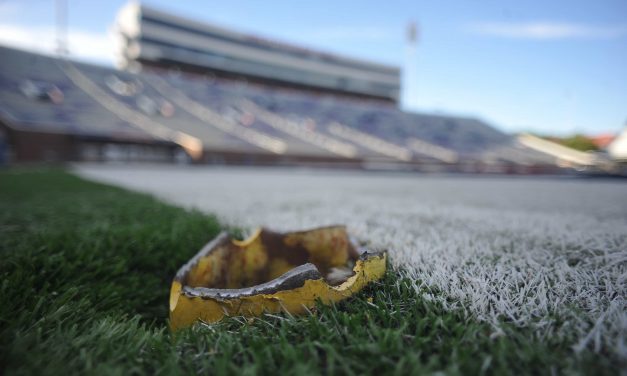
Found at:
(409, 87)
(61, 11)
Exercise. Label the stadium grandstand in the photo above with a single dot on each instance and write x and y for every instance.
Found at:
(55, 109)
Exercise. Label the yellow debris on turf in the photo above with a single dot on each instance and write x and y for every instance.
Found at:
(270, 272)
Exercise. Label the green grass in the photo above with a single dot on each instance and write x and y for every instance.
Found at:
(85, 271)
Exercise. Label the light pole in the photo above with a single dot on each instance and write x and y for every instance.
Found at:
(410, 69)
(61, 11)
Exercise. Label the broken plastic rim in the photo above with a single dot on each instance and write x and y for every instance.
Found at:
(271, 272)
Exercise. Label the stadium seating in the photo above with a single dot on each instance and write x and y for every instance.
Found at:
(240, 117)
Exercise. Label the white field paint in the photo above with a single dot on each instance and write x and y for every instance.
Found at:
(524, 250)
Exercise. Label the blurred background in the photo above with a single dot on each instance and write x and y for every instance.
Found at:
(454, 86)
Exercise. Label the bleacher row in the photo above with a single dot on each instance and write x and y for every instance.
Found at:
(206, 115)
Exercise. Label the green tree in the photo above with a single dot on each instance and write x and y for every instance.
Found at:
(579, 142)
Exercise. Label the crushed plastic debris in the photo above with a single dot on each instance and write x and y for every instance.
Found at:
(271, 272)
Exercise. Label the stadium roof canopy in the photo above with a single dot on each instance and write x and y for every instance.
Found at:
(152, 37)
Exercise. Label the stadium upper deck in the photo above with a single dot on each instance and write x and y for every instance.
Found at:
(154, 38)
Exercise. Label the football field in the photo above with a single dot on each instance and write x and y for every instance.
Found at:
(541, 253)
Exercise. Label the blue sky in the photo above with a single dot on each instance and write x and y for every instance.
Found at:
(555, 67)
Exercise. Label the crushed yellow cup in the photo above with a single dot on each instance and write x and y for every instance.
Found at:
(271, 272)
